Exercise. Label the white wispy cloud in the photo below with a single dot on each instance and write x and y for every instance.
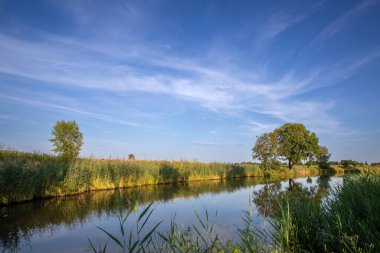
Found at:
(281, 21)
(215, 89)
(139, 66)
(340, 70)
(342, 22)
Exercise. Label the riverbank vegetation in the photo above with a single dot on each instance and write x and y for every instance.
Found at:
(26, 176)
(347, 221)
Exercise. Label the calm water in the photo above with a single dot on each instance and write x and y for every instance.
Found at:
(63, 225)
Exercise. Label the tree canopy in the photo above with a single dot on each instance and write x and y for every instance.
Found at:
(265, 150)
(67, 139)
(291, 142)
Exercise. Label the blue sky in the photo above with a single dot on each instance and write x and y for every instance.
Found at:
(190, 79)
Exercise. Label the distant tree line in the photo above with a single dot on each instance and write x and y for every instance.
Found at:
(352, 163)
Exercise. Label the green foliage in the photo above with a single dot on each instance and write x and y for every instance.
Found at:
(349, 164)
(348, 221)
(352, 214)
(67, 140)
(265, 150)
(292, 142)
(296, 143)
(24, 176)
(131, 157)
(323, 158)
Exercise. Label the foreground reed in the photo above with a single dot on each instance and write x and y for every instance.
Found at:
(347, 221)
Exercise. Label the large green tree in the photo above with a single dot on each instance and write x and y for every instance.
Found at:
(291, 142)
(296, 143)
(67, 139)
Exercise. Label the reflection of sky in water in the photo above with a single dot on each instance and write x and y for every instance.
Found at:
(71, 236)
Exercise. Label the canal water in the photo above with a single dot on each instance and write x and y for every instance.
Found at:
(65, 224)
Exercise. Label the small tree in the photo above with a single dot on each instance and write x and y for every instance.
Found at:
(265, 150)
(131, 157)
(67, 139)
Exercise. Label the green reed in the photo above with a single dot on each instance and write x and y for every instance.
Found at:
(27, 176)
(347, 221)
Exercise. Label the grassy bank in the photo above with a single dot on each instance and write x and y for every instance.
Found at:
(27, 176)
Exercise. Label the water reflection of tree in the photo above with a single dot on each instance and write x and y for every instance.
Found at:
(324, 181)
(267, 198)
(264, 199)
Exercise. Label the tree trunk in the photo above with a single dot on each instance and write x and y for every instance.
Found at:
(290, 164)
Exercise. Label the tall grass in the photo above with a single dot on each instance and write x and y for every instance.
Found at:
(27, 176)
(356, 227)
(24, 176)
(347, 221)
